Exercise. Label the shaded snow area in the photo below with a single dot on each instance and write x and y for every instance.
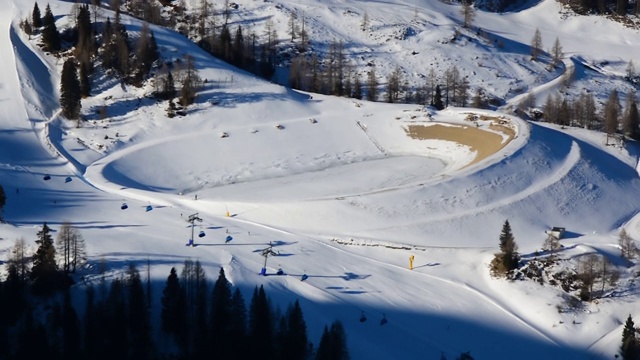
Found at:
(338, 185)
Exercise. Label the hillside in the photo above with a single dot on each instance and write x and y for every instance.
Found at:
(343, 188)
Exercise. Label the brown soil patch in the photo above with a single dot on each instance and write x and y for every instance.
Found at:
(483, 142)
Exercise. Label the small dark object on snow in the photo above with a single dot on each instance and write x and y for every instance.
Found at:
(280, 272)
(124, 206)
(362, 317)
(304, 277)
(47, 177)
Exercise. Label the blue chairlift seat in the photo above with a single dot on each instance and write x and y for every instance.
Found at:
(149, 207)
(228, 238)
(202, 234)
(68, 179)
(304, 277)
(124, 206)
(47, 177)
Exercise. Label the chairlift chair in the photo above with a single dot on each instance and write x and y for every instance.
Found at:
(149, 207)
(68, 179)
(363, 318)
(201, 234)
(124, 206)
(47, 177)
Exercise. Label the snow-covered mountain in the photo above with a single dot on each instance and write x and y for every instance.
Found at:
(344, 188)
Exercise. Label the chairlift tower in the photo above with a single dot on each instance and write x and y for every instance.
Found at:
(192, 219)
(266, 253)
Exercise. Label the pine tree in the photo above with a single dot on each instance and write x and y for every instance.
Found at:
(628, 247)
(238, 325)
(50, 35)
(364, 26)
(194, 284)
(36, 18)
(556, 53)
(70, 329)
(372, 85)
(536, 45)
(63, 242)
(85, 82)
(621, 7)
(357, 88)
(437, 99)
(92, 326)
(44, 273)
(468, 13)
(85, 32)
(260, 332)
(138, 316)
(14, 299)
(631, 122)
(172, 314)
(304, 36)
(630, 348)
(611, 114)
(508, 247)
(324, 346)
(115, 321)
(333, 343)
(220, 323)
(70, 93)
(238, 49)
(190, 81)
(508, 258)
(296, 341)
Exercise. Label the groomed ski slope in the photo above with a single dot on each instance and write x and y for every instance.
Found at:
(312, 189)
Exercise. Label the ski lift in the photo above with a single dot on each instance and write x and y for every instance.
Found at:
(362, 317)
(47, 177)
(228, 238)
(304, 277)
(149, 207)
(280, 272)
(68, 179)
(124, 206)
(201, 234)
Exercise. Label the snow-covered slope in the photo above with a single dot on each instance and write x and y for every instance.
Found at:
(342, 190)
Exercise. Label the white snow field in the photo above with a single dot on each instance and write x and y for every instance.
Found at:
(347, 199)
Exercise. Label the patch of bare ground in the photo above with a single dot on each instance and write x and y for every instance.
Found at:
(483, 142)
